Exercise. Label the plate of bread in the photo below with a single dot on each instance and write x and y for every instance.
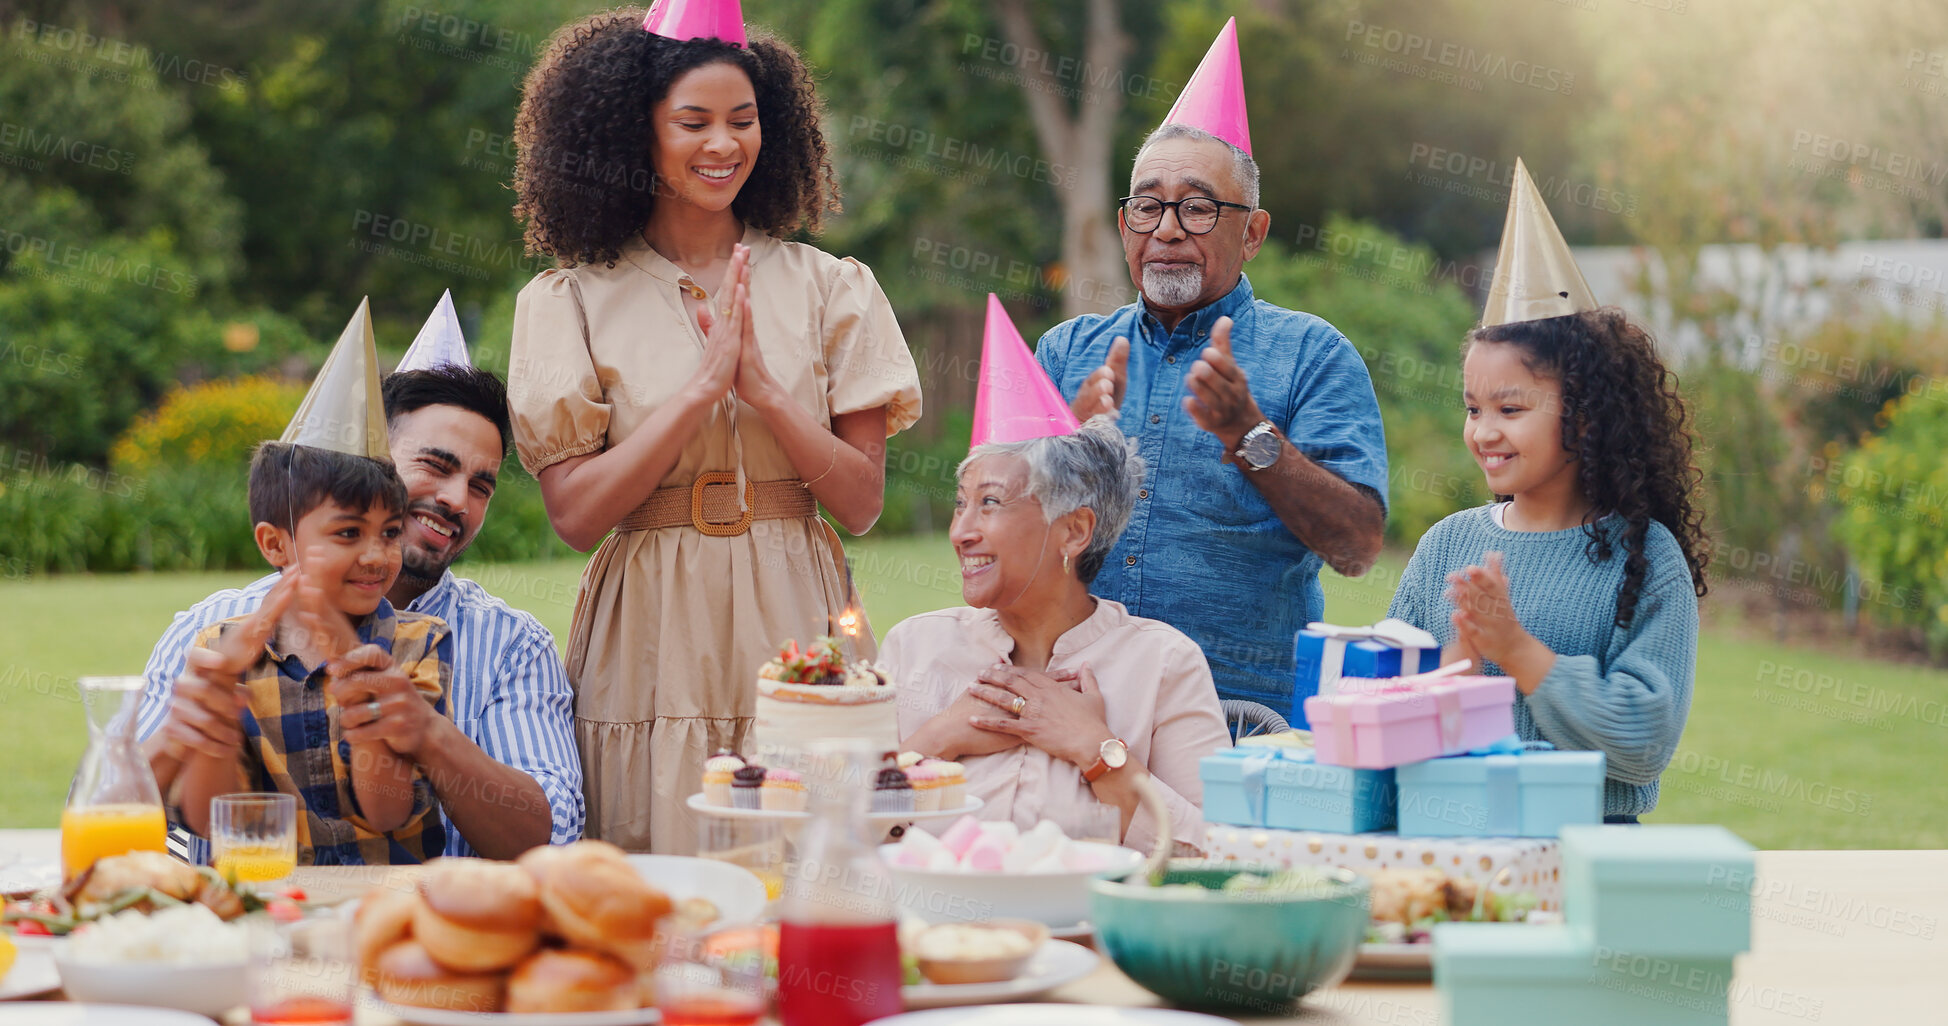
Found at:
(564, 935)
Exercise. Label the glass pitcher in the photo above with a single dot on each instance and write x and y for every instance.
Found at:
(113, 805)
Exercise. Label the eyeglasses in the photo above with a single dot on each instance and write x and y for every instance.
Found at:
(1197, 215)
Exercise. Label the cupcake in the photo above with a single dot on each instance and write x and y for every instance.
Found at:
(926, 787)
(783, 791)
(717, 772)
(892, 792)
(953, 782)
(746, 782)
(908, 760)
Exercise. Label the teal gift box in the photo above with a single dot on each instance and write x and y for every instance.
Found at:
(1507, 793)
(1489, 974)
(1679, 891)
(1285, 789)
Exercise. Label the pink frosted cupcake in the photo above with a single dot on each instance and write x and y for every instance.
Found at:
(926, 787)
(783, 791)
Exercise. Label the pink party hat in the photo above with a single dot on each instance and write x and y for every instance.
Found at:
(1016, 400)
(1214, 99)
(697, 19)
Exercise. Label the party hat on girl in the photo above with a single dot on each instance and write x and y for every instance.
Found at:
(343, 411)
(697, 19)
(439, 342)
(1214, 99)
(1535, 277)
(1016, 401)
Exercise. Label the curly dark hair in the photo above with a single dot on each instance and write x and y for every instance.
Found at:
(585, 175)
(1627, 426)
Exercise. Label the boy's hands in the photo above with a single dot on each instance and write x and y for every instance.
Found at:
(206, 706)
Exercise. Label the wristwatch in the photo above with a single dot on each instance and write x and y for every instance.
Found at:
(1112, 755)
(1260, 447)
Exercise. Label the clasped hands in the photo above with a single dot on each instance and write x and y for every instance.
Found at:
(1060, 712)
(377, 702)
(1219, 402)
(1486, 627)
(731, 360)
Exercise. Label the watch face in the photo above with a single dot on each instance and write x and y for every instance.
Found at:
(1115, 753)
(1262, 451)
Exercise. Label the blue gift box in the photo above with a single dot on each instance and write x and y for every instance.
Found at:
(1510, 793)
(1676, 891)
(1494, 974)
(1324, 653)
(1283, 788)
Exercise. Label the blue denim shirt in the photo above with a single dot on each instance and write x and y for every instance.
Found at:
(1204, 552)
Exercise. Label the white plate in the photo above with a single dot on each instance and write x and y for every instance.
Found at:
(60, 1013)
(33, 973)
(1053, 1015)
(737, 892)
(697, 803)
(27, 877)
(1056, 963)
(441, 1017)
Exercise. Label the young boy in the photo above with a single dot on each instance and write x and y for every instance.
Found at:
(291, 697)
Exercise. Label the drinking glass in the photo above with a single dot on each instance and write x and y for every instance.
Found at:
(254, 836)
(755, 844)
(303, 972)
(713, 979)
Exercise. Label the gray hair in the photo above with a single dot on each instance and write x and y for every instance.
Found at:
(1095, 467)
(1244, 170)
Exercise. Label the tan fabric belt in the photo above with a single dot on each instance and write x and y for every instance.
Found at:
(710, 505)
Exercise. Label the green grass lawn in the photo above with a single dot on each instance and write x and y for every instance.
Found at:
(1790, 746)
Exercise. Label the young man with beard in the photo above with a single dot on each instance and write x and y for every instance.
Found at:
(504, 765)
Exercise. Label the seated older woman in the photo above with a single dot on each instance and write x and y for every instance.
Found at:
(1053, 699)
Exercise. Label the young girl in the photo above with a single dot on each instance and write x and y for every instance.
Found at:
(1582, 580)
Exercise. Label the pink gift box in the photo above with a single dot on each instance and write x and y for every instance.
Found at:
(1379, 724)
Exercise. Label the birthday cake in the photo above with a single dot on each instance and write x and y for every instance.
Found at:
(812, 694)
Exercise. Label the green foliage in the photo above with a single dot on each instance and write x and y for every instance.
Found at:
(1400, 306)
(1895, 489)
(216, 423)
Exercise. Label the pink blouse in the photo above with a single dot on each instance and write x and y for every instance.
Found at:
(1157, 692)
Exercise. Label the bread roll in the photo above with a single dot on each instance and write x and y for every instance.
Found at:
(572, 981)
(407, 975)
(596, 900)
(384, 918)
(477, 916)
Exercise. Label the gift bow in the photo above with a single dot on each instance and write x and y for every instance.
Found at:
(1398, 633)
(1253, 775)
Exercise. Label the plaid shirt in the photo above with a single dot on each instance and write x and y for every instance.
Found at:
(293, 744)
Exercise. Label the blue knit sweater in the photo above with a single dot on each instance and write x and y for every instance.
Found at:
(1625, 693)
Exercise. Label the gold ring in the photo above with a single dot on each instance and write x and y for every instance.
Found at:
(1018, 705)
(372, 710)
(724, 311)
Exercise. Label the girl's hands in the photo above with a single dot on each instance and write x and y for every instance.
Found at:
(1484, 622)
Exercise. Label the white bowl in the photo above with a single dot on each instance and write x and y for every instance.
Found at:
(1056, 900)
(737, 892)
(205, 989)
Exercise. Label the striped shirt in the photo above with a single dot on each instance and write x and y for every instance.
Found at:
(510, 693)
(293, 744)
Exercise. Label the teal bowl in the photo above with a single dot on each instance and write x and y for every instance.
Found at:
(1242, 951)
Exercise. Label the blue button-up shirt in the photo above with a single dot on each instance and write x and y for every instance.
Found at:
(510, 691)
(1204, 552)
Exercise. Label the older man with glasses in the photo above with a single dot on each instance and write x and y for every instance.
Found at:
(1259, 423)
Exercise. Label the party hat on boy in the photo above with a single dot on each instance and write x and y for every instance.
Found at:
(1015, 401)
(344, 411)
(697, 19)
(439, 342)
(1535, 277)
(1214, 98)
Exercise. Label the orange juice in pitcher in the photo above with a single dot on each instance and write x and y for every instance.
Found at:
(113, 805)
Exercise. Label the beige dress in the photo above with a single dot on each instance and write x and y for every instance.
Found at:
(671, 625)
(1157, 696)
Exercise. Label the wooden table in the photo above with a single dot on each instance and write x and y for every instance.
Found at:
(1838, 937)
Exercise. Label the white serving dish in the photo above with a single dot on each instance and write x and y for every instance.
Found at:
(1059, 901)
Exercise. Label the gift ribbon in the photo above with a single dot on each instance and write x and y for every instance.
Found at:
(1447, 704)
(1253, 779)
(1410, 640)
(1504, 797)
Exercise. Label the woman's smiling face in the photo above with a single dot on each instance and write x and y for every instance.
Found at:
(707, 135)
(998, 531)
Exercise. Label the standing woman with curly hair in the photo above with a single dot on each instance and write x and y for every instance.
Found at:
(1581, 580)
(688, 387)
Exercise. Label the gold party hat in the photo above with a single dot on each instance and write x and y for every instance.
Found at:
(1535, 277)
(344, 411)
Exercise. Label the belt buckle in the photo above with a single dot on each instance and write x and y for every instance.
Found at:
(728, 528)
